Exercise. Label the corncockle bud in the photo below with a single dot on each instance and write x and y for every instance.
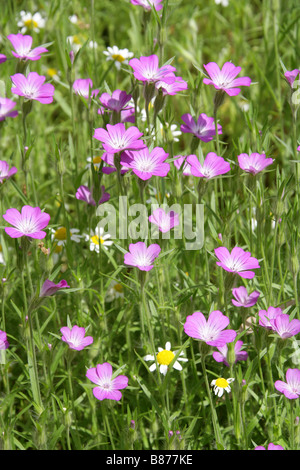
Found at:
(170, 434)
(132, 424)
(295, 264)
(231, 354)
(72, 57)
(194, 144)
(159, 102)
(149, 92)
(218, 99)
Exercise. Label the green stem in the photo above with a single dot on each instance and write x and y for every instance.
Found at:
(215, 422)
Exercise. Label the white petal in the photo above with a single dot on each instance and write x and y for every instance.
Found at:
(152, 367)
(148, 357)
(183, 359)
(177, 366)
(163, 369)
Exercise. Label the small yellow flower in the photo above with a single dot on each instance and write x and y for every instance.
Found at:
(164, 357)
(98, 238)
(119, 56)
(29, 22)
(115, 291)
(59, 236)
(220, 385)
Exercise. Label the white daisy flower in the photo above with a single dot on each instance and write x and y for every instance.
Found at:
(98, 238)
(75, 42)
(244, 105)
(2, 260)
(115, 291)
(29, 22)
(120, 56)
(93, 45)
(164, 357)
(95, 160)
(167, 131)
(73, 19)
(51, 72)
(224, 3)
(220, 385)
(59, 236)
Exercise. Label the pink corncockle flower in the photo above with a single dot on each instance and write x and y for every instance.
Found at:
(271, 446)
(75, 337)
(181, 162)
(5, 172)
(254, 163)
(225, 79)
(146, 164)
(83, 87)
(266, 315)
(290, 388)
(238, 261)
(4, 344)
(148, 4)
(213, 166)
(108, 158)
(172, 88)
(28, 223)
(211, 331)
(107, 387)
(221, 356)
(6, 106)
(243, 299)
(204, 128)
(22, 45)
(298, 149)
(50, 288)
(32, 87)
(117, 138)
(3, 58)
(164, 220)
(83, 193)
(146, 69)
(292, 75)
(285, 328)
(126, 115)
(142, 257)
(117, 101)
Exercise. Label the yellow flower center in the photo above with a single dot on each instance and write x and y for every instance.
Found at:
(95, 239)
(222, 383)
(118, 287)
(118, 57)
(96, 160)
(76, 40)
(61, 234)
(165, 357)
(51, 72)
(30, 24)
